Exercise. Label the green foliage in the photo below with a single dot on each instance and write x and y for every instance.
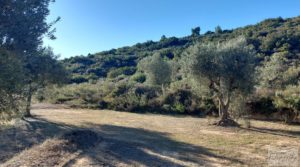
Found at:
(272, 73)
(225, 68)
(276, 43)
(218, 30)
(79, 79)
(23, 24)
(284, 31)
(11, 72)
(157, 70)
(139, 77)
(23, 27)
(77, 95)
(196, 31)
(43, 68)
(11, 85)
(121, 71)
(183, 101)
(238, 108)
(120, 89)
(288, 100)
(178, 107)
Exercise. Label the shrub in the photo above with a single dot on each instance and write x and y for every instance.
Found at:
(179, 108)
(182, 101)
(239, 109)
(78, 79)
(139, 77)
(77, 95)
(121, 71)
(207, 106)
(137, 98)
(127, 102)
(120, 89)
(262, 105)
(288, 102)
(149, 92)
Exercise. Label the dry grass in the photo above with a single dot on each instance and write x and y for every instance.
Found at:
(156, 140)
(58, 151)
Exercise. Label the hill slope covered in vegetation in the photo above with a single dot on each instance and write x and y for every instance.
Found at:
(122, 79)
(268, 37)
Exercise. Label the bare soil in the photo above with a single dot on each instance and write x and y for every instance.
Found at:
(128, 139)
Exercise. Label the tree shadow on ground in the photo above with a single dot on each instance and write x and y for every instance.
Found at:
(28, 132)
(277, 132)
(149, 148)
(119, 145)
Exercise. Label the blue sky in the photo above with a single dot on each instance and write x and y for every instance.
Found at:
(90, 26)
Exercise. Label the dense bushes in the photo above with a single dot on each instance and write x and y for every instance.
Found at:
(281, 104)
(288, 102)
(77, 95)
(121, 71)
(134, 97)
(139, 77)
(11, 84)
(262, 105)
(181, 101)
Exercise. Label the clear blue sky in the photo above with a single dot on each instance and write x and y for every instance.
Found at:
(90, 26)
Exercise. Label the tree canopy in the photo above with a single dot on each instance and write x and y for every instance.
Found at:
(24, 61)
(225, 68)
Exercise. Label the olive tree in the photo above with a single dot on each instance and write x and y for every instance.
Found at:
(225, 68)
(42, 69)
(23, 25)
(158, 70)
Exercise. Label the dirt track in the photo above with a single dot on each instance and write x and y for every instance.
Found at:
(149, 140)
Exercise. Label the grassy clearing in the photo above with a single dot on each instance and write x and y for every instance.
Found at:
(155, 140)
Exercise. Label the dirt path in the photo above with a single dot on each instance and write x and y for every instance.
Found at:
(130, 139)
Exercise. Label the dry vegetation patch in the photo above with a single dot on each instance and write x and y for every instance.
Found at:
(57, 151)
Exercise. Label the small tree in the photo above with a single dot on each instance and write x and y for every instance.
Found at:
(225, 68)
(218, 30)
(163, 38)
(158, 70)
(196, 31)
(42, 69)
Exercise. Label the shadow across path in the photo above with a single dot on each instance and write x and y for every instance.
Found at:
(29, 132)
(276, 132)
(137, 146)
(119, 146)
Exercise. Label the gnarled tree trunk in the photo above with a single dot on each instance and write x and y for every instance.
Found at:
(28, 102)
(225, 120)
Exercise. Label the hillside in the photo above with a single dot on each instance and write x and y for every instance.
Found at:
(119, 79)
(268, 37)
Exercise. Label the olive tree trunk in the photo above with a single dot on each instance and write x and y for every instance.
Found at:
(225, 119)
(163, 90)
(28, 102)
